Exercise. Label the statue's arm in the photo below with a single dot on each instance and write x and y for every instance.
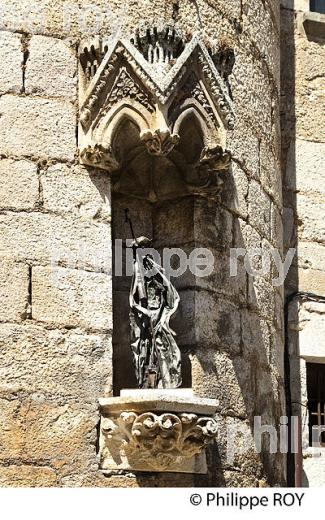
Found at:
(172, 295)
(134, 288)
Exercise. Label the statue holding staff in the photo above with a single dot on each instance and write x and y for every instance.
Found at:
(153, 301)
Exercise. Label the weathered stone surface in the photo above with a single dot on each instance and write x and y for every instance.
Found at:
(310, 70)
(311, 280)
(235, 191)
(51, 68)
(256, 340)
(212, 225)
(38, 127)
(216, 376)
(69, 363)
(72, 298)
(237, 479)
(311, 215)
(11, 433)
(206, 319)
(256, 252)
(312, 330)
(76, 190)
(276, 355)
(305, 167)
(236, 447)
(222, 282)
(27, 476)
(164, 218)
(261, 295)
(19, 188)
(11, 74)
(259, 207)
(276, 228)
(311, 255)
(14, 284)
(72, 224)
(64, 241)
(217, 322)
(72, 18)
(245, 152)
(253, 105)
(263, 26)
(183, 321)
(132, 480)
(246, 237)
(57, 434)
(270, 172)
(214, 274)
(35, 16)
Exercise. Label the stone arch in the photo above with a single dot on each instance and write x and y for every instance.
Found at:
(193, 132)
(125, 109)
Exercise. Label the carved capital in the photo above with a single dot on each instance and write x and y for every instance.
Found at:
(159, 142)
(156, 430)
(99, 157)
(158, 440)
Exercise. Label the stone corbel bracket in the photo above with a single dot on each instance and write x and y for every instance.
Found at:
(156, 432)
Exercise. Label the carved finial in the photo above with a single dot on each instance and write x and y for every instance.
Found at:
(160, 142)
(159, 45)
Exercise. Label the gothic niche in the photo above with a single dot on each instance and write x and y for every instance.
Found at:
(154, 113)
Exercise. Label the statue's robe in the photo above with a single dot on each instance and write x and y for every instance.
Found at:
(153, 300)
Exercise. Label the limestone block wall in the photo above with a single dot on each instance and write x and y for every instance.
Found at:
(55, 270)
(56, 323)
(303, 88)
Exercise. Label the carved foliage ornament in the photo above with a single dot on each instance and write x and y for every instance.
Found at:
(159, 142)
(159, 439)
(99, 156)
(206, 179)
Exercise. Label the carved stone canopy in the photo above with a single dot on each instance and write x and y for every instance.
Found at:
(151, 110)
(156, 431)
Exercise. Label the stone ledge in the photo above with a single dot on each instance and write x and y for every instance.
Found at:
(178, 400)
(156, 431)
(314, 24)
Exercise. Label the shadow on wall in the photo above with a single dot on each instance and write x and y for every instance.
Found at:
(288, 129)
(246, 378)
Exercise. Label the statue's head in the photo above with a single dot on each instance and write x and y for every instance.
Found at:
(148, 262)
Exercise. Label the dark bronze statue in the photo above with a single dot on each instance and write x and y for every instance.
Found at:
(153, 301)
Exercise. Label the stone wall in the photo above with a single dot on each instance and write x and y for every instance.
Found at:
(303, 138)
(56, 325)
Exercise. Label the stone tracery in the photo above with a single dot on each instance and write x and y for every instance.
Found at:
(158, 87)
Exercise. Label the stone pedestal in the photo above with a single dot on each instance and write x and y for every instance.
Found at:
(156, 430)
